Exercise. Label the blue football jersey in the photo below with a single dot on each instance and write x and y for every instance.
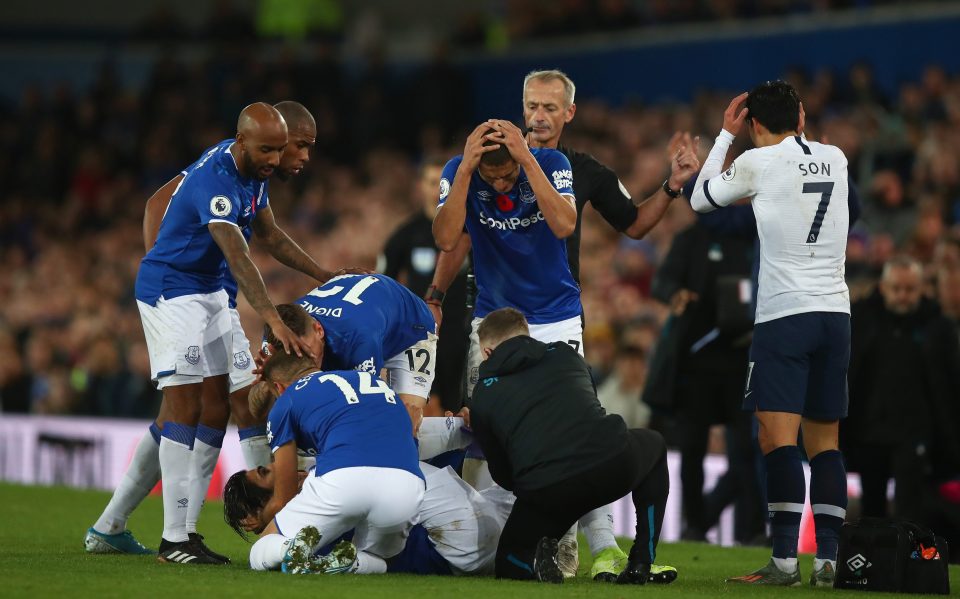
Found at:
(518, 260)
(185, 259)
(367, 319)
(346, 419)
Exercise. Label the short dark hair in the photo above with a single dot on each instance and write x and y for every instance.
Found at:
(242, 498)
(296, 115)
(295, 317)
(500, 325)
(497, 157)
(775, 105)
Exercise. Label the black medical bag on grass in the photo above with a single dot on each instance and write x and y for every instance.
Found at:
(881, 554)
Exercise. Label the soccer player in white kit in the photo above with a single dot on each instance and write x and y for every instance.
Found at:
(801, 341)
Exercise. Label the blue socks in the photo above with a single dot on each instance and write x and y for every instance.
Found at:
(786, 491)
(828, 495)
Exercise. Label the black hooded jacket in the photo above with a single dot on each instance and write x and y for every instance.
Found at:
(536, 416)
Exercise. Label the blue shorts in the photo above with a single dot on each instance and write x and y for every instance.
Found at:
(798, 364)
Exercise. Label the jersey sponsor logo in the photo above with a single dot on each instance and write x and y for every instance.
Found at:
(526, 192)
(193, 355)
(321, 310)
(269, 434)
(484, 196)
(444, 188)
(510, 224)
(623, 190)
(367, 365)
(241, 360)
(220, 206)
(562, 179)
(730, 173)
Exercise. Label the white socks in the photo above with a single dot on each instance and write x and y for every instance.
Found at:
(267, 552)
(597, 526)
(141, 476)
(818, 563)
(439, 434)
(176, 445)
(368, 563)
(786, 564)
(254, 446)
(206, 450)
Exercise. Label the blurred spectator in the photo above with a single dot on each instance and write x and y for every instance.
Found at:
(620, 392)
(82, 162)
(701, 372)
(410, 256)
(904, 374)
(162, 24)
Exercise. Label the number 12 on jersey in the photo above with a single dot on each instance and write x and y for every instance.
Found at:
(352, 296)
(825, 189)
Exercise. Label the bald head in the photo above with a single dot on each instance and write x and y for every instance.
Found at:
(261, 138)
(260, 116)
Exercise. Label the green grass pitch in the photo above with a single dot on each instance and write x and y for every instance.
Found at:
(41, 555)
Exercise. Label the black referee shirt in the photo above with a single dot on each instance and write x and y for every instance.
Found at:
(597, 184)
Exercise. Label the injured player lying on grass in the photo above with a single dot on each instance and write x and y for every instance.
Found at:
(456, 532)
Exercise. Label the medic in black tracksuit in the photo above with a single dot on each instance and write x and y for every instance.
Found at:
(536, 416)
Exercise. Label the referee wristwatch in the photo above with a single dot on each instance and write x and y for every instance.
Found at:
(674, 194)
(434, 296)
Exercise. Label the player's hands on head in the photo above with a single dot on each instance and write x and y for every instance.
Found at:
(291, 342)
(510, 135)
(351, 271)
(474, 147)
(735, 114)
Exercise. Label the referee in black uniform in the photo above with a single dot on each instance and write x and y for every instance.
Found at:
(548, 105)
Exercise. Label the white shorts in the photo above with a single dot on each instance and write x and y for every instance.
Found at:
(463, 526)
(411, 372)
(188, 338)
(241, 362)
(570, 331)
(382, 504)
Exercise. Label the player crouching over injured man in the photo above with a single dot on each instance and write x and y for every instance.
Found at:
(536, 416)
(368, 479)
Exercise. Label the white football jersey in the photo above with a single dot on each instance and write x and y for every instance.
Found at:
(798, 189)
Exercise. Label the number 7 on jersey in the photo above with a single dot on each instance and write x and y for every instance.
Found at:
(825, 189)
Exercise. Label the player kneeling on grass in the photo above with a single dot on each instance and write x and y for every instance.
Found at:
(367, 476)
(456, 533)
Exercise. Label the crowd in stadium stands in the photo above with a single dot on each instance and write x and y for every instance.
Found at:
(482, 25)
(80, 167)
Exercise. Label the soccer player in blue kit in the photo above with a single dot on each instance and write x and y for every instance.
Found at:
(184, 307)
(517, 205)
(367, 323)
(367, 476)
(109, 534)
